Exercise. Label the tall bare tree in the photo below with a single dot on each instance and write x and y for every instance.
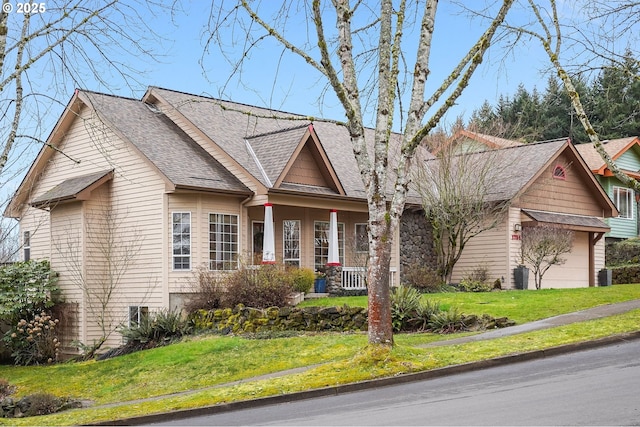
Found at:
(357, 48)
(458, 197)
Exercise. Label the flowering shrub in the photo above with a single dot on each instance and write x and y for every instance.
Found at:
(34, 342)
(26, 289)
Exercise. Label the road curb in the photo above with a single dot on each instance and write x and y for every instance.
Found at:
(364, 385)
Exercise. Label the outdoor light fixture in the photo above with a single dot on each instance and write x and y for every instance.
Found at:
(517, 227)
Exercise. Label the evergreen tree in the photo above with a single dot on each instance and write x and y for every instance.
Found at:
(612, 102)
(616, 98)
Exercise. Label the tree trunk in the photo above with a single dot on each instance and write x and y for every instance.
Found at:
(380, 241)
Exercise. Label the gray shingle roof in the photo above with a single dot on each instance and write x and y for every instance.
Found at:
(513, 168)
(172, 151)
(580, 221)
(229, 124)
(69, 188)
(274, 149)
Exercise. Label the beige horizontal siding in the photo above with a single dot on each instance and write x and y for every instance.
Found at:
(484, 251)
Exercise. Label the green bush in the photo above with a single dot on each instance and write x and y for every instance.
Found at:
(26, 289)
(623, 253)
(302, 278)
(161, 328)
(405, 300)
(470, 285)
(34, 341)
(266, 286)
(446, 322)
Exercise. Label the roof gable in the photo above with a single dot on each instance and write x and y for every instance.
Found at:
(516, 169)
(294, 156)
(263, 145)
(624, 151)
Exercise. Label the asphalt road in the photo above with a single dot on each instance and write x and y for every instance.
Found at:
(592, 387)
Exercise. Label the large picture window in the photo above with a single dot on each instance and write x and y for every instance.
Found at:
(321, 244)
(223, 242)
(623, 199)
(181, 232)
(291, 242)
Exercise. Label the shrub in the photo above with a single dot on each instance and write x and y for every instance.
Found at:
(477, 280)
(208, 291)
(405, 300)
(447, 321)
(161, 328)
(6, 389)
(26, 289)
(624, 252)
(423, 278)
(424, 313)
(470, 285)
(262, 287)
(302, 278)
(34, 341)
(36, 404)
(479, 274)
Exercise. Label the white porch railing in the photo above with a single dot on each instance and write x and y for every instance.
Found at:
(354, 278)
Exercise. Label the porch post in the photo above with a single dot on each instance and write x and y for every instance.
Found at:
(334, 269)
(269, 241)
(333, 259)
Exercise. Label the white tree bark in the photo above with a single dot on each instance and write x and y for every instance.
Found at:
(340, 68)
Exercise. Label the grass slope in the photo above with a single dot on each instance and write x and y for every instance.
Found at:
(208, 370)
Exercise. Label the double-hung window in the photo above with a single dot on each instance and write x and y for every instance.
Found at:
(623, 199)
(181, 233)
(223, 242)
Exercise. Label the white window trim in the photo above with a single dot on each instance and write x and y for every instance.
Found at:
(617, 190)
(284, 258)
(173, 256)
(340, 244)
(237, 242)
(141, 310)
(26, 246)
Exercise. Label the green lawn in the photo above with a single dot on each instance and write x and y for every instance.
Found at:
(520, 306)
(207, 364)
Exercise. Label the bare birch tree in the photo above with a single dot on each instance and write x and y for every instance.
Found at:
(459, 200)
(359, 53)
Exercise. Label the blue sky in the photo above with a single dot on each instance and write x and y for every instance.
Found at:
(182, 65)
(181, 69)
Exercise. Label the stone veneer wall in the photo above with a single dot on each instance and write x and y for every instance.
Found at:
(416, 242)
